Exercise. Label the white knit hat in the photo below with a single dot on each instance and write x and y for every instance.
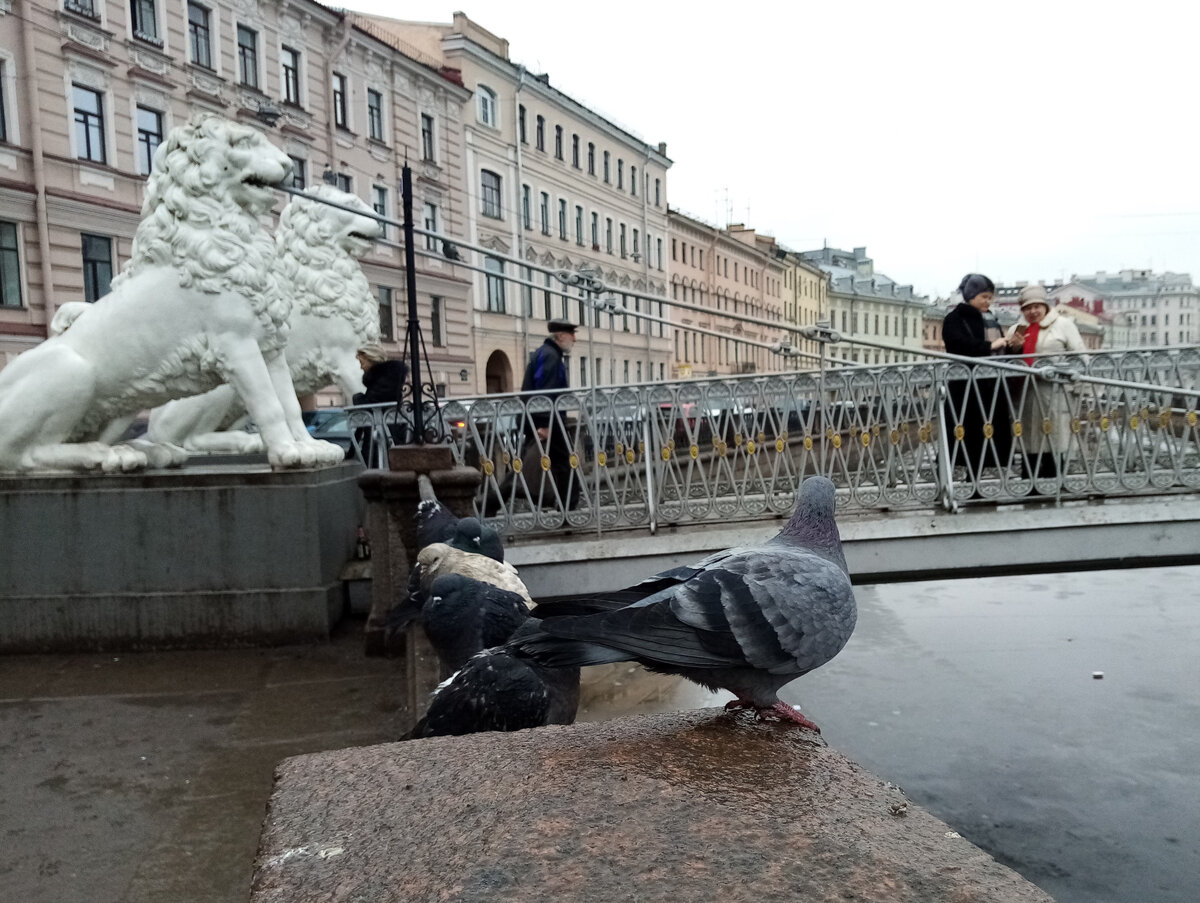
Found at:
(1033, 294)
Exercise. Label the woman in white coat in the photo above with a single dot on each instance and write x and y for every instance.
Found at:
(1046, 418)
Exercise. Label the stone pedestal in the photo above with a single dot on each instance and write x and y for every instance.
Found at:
(692, 806)
(392, 497)
(210, 555)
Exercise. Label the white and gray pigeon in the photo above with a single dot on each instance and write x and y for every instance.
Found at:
(439, 558)
(747, 620)
(462, 616)
(498, 690)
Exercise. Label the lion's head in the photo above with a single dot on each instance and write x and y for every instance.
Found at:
(211, 182)
(317, 249)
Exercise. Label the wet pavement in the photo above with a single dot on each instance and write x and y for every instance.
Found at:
(145, 777)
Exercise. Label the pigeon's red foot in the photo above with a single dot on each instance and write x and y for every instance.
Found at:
(781, 711)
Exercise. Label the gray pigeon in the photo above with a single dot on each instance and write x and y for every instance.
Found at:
(498, 690)
(747, 620)
(435, 523)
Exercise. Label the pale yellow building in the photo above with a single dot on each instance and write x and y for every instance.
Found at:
(553, 185)
(716, 272)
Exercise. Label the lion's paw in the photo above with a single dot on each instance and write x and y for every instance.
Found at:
(287, 455)
(160, 454)
(123, 459)
(328, 454)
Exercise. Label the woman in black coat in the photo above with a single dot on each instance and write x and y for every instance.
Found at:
(981, 403)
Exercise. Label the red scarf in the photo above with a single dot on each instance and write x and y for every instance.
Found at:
(1031, 336)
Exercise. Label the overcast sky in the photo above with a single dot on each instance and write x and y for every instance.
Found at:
(1021, 140)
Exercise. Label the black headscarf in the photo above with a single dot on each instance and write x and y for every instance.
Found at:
(974, 284)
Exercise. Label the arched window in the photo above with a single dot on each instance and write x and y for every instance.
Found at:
(488, 110)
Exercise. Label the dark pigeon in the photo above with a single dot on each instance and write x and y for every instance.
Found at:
(498, 690)
(463, 616)
(435, 523)
(747, 620)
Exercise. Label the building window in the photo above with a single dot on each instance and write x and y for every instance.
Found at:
(591, 159)
(562, 219)
(608, 235)
(83, 8)
(431, 225)
(4, 72)
(299, 172)
(578, 224)
(149, 137)
(387, 330)
(526, 203)
(379, 203)
(437, 322)
(521, 124)
(427, 139)
(89, 125)
(340, 113)
(633, 180)
(375, 115)
(660, 252)
(658, 192)
(545, 211)
(10, 266)
(247, 51)
(558, 144)
(636, 249)
(606, 158)
(200, 34)
(289, 61)
(487, 107)
(343, 182)
(575, 151)
(495, 284)
(527, 291)
(548, 298)
(622, 239)
(595, 231)
(620, 173)
(97, 266)
(490, 183)
(144, 20)
(540, 135)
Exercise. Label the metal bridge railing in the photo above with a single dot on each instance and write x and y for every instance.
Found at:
(900, 436)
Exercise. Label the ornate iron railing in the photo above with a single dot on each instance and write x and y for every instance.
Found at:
(900, 436)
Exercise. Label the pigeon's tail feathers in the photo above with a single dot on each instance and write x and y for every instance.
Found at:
(402, 615)
(531, 641)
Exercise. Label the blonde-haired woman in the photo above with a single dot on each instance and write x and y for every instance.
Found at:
(1045, 331)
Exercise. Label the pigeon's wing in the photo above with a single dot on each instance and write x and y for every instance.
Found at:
(646, 592)
(750, 608)
(502, 612)
(783, 607)
(434, 523)
(495, 691)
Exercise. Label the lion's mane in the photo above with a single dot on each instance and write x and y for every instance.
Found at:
(191, 223)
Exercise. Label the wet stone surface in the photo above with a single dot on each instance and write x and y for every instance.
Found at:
(688, 806)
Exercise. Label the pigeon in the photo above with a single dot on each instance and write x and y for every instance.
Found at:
(747, 620)
(439, 558)
(450, 250)
(498, 690)
(461, 616)
(435, 523)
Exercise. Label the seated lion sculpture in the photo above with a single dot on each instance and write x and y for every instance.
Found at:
(197, 305)
(334, 314)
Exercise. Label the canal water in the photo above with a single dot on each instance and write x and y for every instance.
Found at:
(1053, 720)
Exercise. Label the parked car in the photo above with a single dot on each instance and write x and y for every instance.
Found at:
(330, 424)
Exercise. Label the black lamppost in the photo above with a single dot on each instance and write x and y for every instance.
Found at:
(413, 331)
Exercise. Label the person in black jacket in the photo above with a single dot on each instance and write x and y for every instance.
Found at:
(547, 373)
(384, 381)
(979, 403)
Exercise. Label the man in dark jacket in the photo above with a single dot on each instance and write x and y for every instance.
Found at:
(547, 373)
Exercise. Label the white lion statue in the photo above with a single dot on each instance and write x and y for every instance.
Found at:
(333, 315)
(197, 305)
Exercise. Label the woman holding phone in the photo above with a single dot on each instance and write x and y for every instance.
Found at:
(1046, 413)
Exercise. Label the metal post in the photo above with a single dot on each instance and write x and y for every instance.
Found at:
(414, 323)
